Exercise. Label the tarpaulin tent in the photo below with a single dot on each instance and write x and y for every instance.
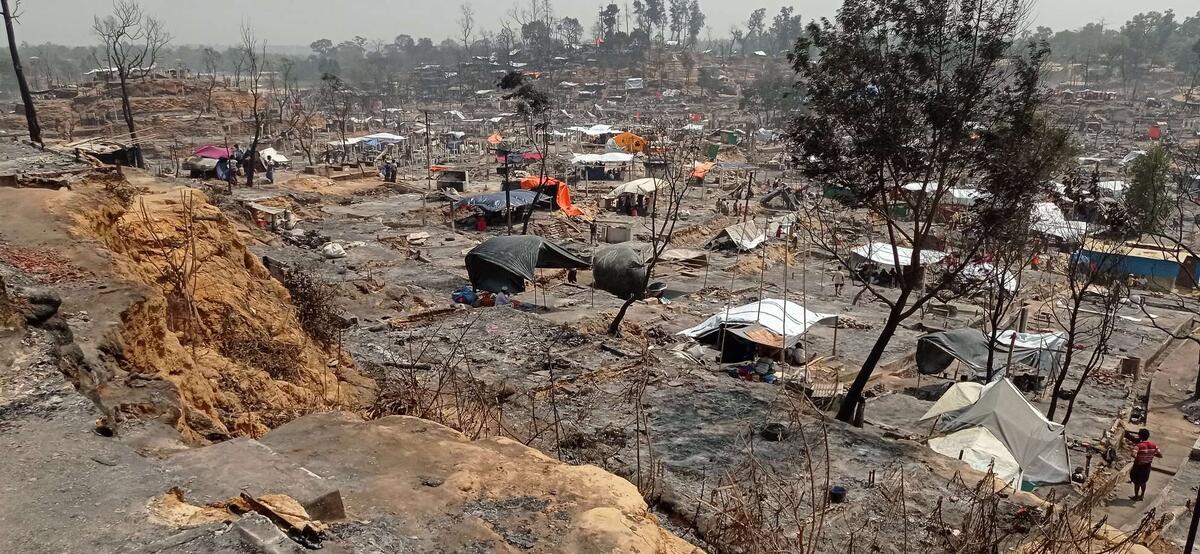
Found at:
(606, 158)
(742, 236)
(620, 269)
(562, 193)
(509, 261)
(1047, 218)
(958, 396)
(980, 449)
(276, 158)
(1036, 443)
(641, 187)
(630, 142)
(985, 272)
(936, 351)
(213, 152)
(781, 318)
(880, 253)
(702, 169)
(495, 201)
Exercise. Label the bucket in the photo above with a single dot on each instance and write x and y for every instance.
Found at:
(837, 494)
(1130, 366)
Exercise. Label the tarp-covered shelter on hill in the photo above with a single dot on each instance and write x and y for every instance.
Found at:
(620, 269)
(509, 261)
(1037, 444)
(936, 351)
(883, 255)
(772, 323)
(742, 236)
(980, 449)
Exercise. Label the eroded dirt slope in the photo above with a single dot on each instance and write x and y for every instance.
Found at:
(213, 347)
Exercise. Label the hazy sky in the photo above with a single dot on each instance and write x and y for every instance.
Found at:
(299, 22)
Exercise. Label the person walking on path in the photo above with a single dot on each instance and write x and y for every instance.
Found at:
(1144, 454)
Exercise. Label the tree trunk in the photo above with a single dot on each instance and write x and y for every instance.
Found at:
(31, 120)
(127, 112)
(614, 328)
(854, 398)
(1062, 373)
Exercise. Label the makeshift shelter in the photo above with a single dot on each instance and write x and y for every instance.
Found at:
(638, 187)
(960, 395)
(1164, 269)
(985, 272)
(560, 192)
(620, 269)
(495, 201)
(605, 158)
(882, 255)
(509, 261)
(743, 236)
(936, 351)
(276, 158)
(213, 152)
(1036, 443)
(770, 323)
(630, 142)
(980, 449)
(1048, 219)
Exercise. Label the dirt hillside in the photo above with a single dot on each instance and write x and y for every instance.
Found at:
(213, 325)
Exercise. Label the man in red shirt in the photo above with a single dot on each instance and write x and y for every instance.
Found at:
(1144, 454)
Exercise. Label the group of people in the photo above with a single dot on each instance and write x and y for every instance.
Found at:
(239, 163)
(388, 169)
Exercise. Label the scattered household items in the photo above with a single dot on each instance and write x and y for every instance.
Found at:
(509, 261)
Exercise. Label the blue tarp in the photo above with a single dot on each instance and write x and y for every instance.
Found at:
(494, 201)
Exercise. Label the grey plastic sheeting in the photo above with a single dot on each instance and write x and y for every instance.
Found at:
(619, 269)
(510, 261)
(936, 351)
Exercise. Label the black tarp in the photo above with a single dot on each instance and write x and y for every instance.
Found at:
(619, 269)
(495, 201)
(509, 261)
(936, 351)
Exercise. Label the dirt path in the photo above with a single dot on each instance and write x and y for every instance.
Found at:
(1174, 435)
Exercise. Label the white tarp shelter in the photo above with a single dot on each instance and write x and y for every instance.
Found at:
(1048, 219)
(980, 272)
(980, 449)
(784, 318)
(1036, 443)
(881, 254)
(276, 157)
(607, 158)
(594, 130)
(642, 187)
(743, 236)
(963, 197)
(958, 396)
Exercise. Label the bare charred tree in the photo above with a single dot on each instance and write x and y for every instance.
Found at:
(11, 13)
(1083, 274)
(466, 25)
(338, 101)
(534, 106)
(255, 54)
(665, 208)
(212, 60)
(299, 110)
(131, 42)
(916, 93)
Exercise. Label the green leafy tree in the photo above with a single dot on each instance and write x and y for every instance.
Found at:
(913, 91)
(1148, 201)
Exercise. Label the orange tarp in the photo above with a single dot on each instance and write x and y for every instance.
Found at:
(630, 142)
(562, 198)
(702, 169)
(495, 139)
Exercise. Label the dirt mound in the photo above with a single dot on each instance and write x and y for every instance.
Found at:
(213, 325)
(458, 495)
